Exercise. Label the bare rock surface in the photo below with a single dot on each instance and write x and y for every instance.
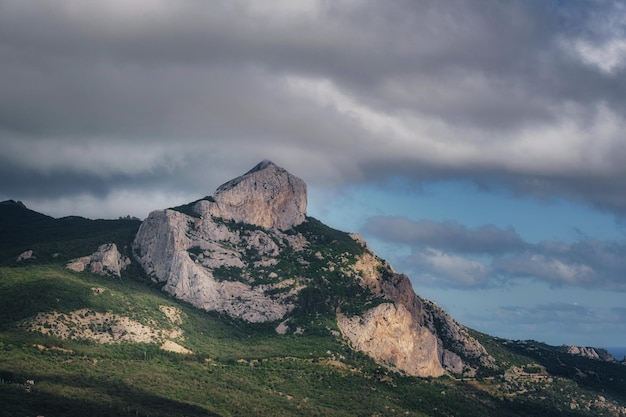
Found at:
(107, 260)
(25, 256)
(591, 353)
(266, 196)
(200, 261)
(455, 350)
(389, 334)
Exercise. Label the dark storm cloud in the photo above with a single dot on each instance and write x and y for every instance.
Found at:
(529, 95)
(586, 263)
(448, 235)
(450, 254)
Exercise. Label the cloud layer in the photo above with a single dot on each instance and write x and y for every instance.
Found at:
(451, 255)
(171, 97)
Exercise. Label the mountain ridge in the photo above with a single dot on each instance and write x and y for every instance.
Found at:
(592, 352)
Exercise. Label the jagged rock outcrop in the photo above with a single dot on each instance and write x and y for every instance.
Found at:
(25, 256)
(87, 324)
(107, 260)
(591, 353)
(266, 196)
(453, 348)
(201, 260)
(250, 252)
(457, 348)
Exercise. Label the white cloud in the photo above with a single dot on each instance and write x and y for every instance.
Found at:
(104, 158)
(376, 123)
(609, 56)
(441, 268)
(548, 268)
(576, 136)
(446, 235)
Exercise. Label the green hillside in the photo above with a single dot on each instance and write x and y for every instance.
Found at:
(236, 368)
(57, 240)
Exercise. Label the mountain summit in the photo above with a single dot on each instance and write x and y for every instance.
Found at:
(251, 252)
(266, 196)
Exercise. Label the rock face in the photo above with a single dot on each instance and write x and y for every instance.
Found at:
(266, 196)
(591, 353)
(426, 341)
(250, 252)
(390, 334)
(200, 260)
(107, 260)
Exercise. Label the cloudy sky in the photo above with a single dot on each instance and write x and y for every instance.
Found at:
(477, 145)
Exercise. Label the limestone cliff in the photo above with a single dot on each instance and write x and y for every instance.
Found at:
(266, 196)
(251, 252)
(450, 346)
(201, 260)
(390, 334)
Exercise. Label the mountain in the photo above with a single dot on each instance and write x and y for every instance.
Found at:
(241, 304)
(251, 252)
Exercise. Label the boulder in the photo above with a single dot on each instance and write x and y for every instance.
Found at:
(25, 255)
(107, 260)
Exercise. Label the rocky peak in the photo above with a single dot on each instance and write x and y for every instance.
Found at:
(266, 196)
(261, 166)
(250, 252)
